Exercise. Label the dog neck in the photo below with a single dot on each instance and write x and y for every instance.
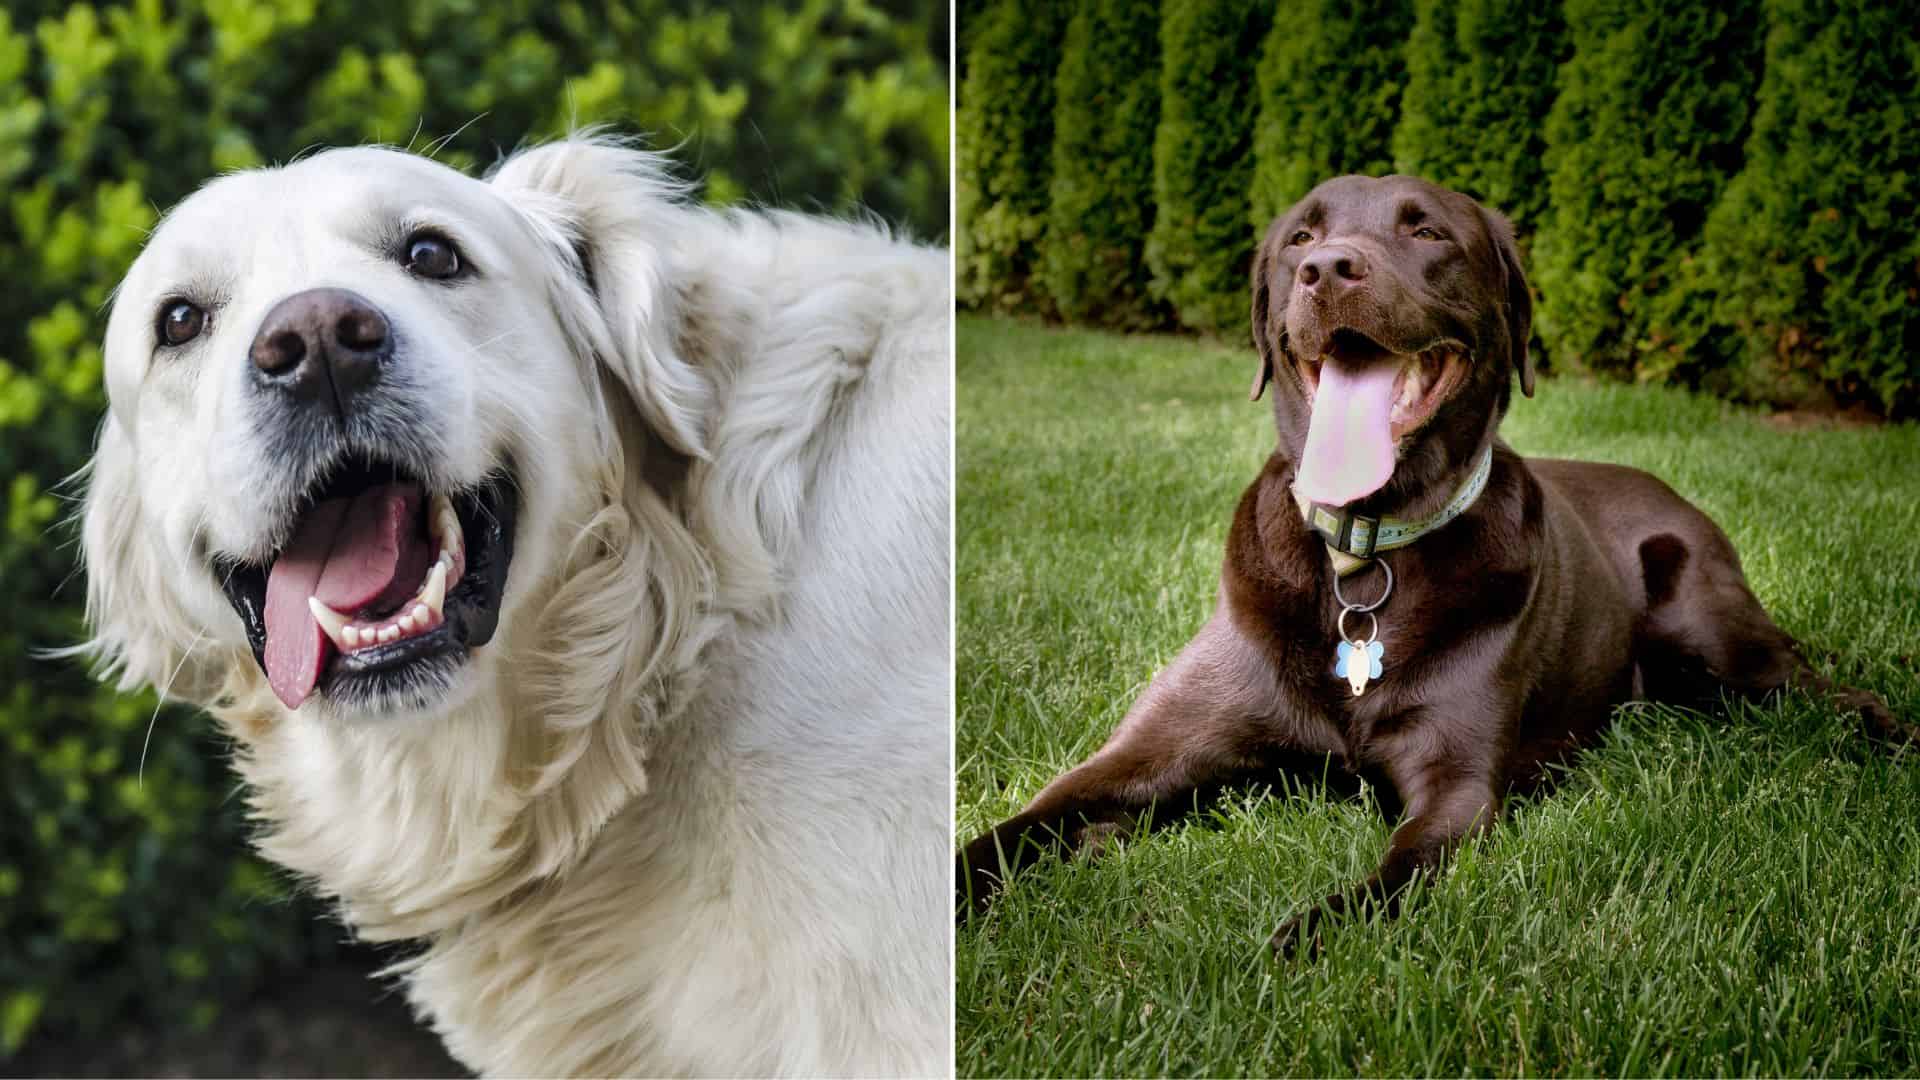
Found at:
(1352, 538)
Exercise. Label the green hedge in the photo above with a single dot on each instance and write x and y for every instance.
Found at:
(1107, 102)
(1331, 73)
(1201, 247)
(1005, 154)
(124, 891)
(1808, 281)
(1647, 130)
(1480, 81)
(1685, 218)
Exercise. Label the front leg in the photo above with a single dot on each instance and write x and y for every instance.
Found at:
(1211, 719)
(1444, 806)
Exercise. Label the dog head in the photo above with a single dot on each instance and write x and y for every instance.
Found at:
(362, 407)
(1389, 312)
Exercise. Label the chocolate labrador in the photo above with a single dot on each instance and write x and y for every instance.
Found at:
(1405, 600)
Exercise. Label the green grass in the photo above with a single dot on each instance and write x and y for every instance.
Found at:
(1734, 893)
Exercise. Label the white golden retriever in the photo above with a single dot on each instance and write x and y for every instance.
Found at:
(571, 567)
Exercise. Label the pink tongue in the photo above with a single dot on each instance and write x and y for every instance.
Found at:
(355, 553)
(1349, 452)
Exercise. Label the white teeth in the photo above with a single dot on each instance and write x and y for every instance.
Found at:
(434, 594)
(445, 527)
(334, 623)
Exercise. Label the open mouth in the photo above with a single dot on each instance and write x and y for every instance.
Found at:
(1365, 399)
(1422, 380)
(383, 585)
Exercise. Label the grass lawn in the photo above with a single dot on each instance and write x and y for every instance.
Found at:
(1727, 894)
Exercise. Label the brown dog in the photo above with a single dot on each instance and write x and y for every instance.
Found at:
(1388, 314)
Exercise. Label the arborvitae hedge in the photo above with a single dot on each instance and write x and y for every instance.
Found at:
(1201, 245)
(1608, 129)
(1107, 102)
(1646, 131)
(1480, 81)
(1809, 275)
(125, 890)
(1331, 73)
(1005, 153)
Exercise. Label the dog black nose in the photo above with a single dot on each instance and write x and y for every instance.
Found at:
(1332, 267)
(322, 347)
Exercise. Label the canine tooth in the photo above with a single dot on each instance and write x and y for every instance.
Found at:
(391, 633)
(334, 623)
(448, 524)
(434, 594)
(421, 613)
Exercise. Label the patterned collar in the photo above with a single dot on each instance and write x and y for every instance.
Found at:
(1352, 539)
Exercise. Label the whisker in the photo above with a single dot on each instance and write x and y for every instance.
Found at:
(140, 777)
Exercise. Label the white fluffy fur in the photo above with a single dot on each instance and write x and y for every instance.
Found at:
(687, 813)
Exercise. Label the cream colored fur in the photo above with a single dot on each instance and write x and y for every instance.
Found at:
(688, 811)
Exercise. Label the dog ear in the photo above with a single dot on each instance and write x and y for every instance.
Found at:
(609, 212)
(140, 636)
(1268, 321)
(1519, 301)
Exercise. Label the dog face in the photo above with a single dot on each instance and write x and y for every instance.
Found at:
(355, 404)
(1389, 310)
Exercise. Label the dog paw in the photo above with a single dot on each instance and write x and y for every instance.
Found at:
(1880, 720)
(974, 885)
(1099, 838)
(1298, 936)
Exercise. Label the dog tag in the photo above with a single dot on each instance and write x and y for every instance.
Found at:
(1359, 662)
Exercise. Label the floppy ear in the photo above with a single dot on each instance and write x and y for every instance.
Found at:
(1269, 320)
(611, 213)
(1519, 302)
(140, 634)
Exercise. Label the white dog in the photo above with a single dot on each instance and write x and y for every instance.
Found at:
(571, 567)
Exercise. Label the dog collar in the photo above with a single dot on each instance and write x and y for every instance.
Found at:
(1352, 539)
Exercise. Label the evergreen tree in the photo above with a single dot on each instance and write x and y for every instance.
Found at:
(1808, 280)
(1005, 153)
(1647, 130)
(1331, 73)
(1107, 105)
(1480, 82)
(1201, 246)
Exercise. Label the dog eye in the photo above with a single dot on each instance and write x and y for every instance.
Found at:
(181, 322)
(1301, 237)
(1427, 232)
(431, 256)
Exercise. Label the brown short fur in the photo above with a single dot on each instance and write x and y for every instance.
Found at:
(1511, 634)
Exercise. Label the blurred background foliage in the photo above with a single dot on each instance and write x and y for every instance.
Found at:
(127, 892)
(1722, 195)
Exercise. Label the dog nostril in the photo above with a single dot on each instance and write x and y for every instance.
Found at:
(279, 353)
(361, 329)
(1351, 269)
(1309, 274)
